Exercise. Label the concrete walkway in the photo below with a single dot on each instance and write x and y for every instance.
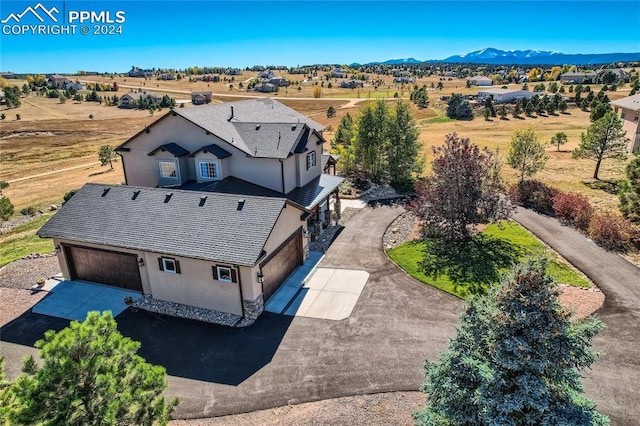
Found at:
(614, 381)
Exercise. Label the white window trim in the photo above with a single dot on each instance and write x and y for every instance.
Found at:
(311, 155)
(176, 165)
(166, 261)
(218, 170)
(220, 268)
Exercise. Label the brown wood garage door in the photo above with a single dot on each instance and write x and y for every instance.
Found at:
(276, 268)
(104, 267)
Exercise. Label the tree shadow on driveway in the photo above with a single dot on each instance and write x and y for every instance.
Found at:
(473, 265)
(186, 348)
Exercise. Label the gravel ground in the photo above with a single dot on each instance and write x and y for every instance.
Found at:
(16, 301)
(382, 409)
(24, 273)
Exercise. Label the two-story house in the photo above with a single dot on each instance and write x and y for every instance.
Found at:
(219, 205)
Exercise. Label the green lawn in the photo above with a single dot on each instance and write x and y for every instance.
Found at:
(463, 270)
(22, 241)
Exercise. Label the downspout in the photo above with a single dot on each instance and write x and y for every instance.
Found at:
(282, 173)
(124, 169)
(241, 295)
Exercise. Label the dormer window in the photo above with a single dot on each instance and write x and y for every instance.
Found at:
(168, 169)
(311, 160)
(209, 170)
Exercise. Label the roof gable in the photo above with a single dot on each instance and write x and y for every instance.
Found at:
(208, 226)
(232, 123)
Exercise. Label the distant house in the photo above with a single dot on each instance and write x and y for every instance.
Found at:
(267, 74)
(233, 71)
(351, 84)
(56, 81)
(629, 110)
(69, 85)
(621, 75)
(399, 72)
(404, 80)
(265, 87)
(578, 77)
(279, 81)
(298, 71)
(139, 72)
(339, 73)
(480, 80)
(504, 96)
(130, 100)
(8, 75)
(165, 76)
(200, 98)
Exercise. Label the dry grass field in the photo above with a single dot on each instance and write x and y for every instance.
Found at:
(52, 137)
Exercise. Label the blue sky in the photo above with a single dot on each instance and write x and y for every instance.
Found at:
(177, 34)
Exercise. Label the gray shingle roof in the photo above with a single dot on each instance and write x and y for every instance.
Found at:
(218, 119)
(270, 140)
(177, 225)
(315, 191)
(173, 148)
(215, 150)
(308, 196)
(630, 102)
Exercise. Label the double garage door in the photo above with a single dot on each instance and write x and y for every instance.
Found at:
(277, 268)
(104, 267)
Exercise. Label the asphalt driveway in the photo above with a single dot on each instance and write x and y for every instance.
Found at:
(397, 321)
(614, 381)
(280, 359)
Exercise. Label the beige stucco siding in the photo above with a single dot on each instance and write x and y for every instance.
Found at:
(304, 175)
(260, 171)
(141, 169)
(194, 285)
(290, 177)
(631, 125)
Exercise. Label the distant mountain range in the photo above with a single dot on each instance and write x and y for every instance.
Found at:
(523, 57)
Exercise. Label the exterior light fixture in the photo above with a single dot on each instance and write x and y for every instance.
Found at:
(260, 277)
(58, 248)
(141, 262)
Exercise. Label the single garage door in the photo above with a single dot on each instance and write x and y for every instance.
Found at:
(104, 267)
(276, 268)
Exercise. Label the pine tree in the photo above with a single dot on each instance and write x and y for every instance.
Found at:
(90, 375)
(630, 192)
(516, 360)
(605, 138)
(344, 133)
(403, 147)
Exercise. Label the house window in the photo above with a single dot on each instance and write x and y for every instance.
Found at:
(225, 274)
(635, 119)
(311, 160)
(168, 169)
(622, 114)
(208, 170)
(169, 265)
